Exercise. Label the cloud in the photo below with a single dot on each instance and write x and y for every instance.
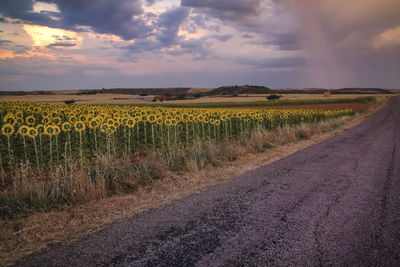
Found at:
(338, 35)
(64, 38)
(59, 44)
(169, 23)
(5, 42)
(226, 9)
(122, 18)
(23, 10)
(247, 36)
(268, 19)
(388, 38)
(197, 47)
(166, 36)
(222, 37)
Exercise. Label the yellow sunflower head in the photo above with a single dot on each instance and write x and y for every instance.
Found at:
(49, 130)
(41, 129)
(94, 124)
(23, 130)
(32, 132)
(66, 127)
(57, 130)
(46, 120)
(7, 129)
(10, 119)
(79, 126)
(130, 123)
(30, 120)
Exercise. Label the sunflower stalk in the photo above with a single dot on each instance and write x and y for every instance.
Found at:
(51, 150)
(80, 147)
(1, 169)
(36, 153)
(152, 136)
(25, 154)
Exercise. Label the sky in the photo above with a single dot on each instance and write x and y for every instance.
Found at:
(83, 44)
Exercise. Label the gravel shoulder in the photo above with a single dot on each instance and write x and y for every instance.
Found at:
(334, 203)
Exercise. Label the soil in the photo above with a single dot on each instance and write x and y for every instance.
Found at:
(334, 203)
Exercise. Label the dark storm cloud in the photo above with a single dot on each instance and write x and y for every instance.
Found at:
(122, 18)
(167, 29)
(339, 41)
(199, 48)
(104, 16)
(23, 10)
(169, 23)
(249, 16)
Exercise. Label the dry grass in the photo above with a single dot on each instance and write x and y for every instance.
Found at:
(27, 235)
(135, 99)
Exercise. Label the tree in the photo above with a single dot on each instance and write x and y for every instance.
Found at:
(273, 97)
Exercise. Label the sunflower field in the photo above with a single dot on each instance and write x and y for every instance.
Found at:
(48, 134)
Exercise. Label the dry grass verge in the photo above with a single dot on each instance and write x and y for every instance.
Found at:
(22, 236)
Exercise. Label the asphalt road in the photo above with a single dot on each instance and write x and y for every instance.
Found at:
(335, 203)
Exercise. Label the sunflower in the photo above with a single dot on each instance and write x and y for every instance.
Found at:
(49, 130)
(110, 122)
(93, 124)
(23, 130)
(66, 127)
(7, 129)
(41, 129)
(130, 123)
(72, 119)
(159, 121)
(30, 120)
(82, 118)
(19, 114)
(57, 130)
(32, 132)
(46, 120)
(79, 126)
(151, 118)
(10, 119)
